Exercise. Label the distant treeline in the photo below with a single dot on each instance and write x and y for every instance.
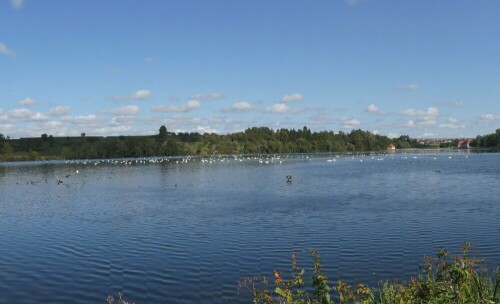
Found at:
(487, 141)
(253, 140)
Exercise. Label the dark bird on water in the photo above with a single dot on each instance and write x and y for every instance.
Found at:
(289, 179)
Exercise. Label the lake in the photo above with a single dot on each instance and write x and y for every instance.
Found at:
(186, 230)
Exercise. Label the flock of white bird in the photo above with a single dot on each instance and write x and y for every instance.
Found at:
(261, 159)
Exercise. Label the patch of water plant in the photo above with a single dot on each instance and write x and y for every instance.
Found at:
(445, 279)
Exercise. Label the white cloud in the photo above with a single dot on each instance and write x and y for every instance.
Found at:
(39, 116)
(372, 108)
(26, 102)
(240, 106)
(488, 118)
(423, 118)
(142, 94)
(408, 87)
(278, 108)
(138, 95)
(283, 108)
(20, 113)
(121, 120)
(451, 123)
(3, 117)
(202, 130)
(126, 110)
(16, 3)
(5, 51)
(292, 98)
(59, 111)
(410, 123)
(26, 115)
(208, 96)
(82, 119)
(349, 123)
(186, 107)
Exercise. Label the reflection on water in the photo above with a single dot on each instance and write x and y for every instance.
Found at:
(185, 230)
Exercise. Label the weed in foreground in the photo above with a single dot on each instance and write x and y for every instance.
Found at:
(446, 279)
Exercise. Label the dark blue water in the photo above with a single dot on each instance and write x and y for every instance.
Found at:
(182, 231)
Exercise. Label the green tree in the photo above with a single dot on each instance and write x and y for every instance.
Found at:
(7, 148)
(163, 132)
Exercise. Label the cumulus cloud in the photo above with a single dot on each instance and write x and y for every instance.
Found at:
(452, 123)
(488, 118)
(138, 95)
(407, 87)
(278, 108)
(26, 102)
(3, 117)
(141, 94)
(16, 3)
(349, 123)
(205, 129)
(186, 107)
(81, 119)
(410, 123)
(423, 117)
(59, 111)
(208, 96)
(121, 120)
(126, 110)
(20, 113)
(26, 115)
(240, 106)
(372, 108)
(292, 98)
(5, 51)
(39, 116)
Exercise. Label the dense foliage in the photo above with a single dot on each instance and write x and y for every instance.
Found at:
(253, 140)
(488, 141)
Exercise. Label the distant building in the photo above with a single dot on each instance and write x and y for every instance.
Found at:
(391, 147)
(464, 144)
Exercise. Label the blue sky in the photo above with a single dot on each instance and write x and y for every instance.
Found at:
(424, 68)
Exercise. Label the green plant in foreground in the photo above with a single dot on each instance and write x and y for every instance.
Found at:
(447, 279)
(119, 300)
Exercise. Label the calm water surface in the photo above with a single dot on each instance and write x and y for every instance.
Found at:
(186, 232)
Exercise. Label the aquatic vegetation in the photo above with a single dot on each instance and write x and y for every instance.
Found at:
(119, 300)
(445, 279)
